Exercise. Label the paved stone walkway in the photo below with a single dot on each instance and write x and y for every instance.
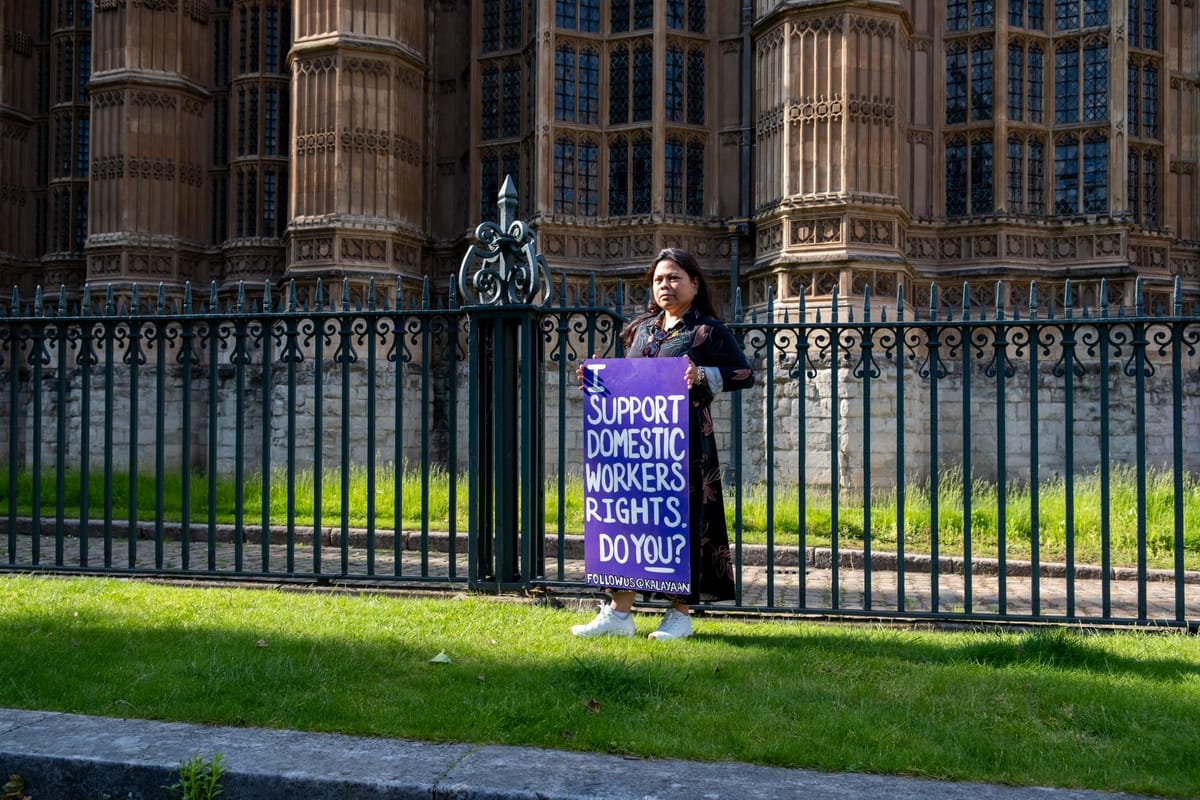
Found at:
(784, 587)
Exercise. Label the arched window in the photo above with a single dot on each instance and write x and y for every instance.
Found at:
(489, 90)
(956, 177)
(641, 175)
(981, 175)
(695, 178)
(618, 86)
(674, 84)
(1143, 24)
(1027, 14)
(1081, 174)
(673, 176)
(969, 95)
(1070, 15)
(564, 83)
(618, 177)
(1143, 99)
(643, 82)
(695, 86)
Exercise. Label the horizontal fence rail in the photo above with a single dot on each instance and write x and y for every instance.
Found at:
(946, 461)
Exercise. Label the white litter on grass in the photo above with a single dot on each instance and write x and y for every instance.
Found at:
(440, 658)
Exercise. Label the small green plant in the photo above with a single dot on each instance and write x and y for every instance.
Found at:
(14, 789)
(199, 779)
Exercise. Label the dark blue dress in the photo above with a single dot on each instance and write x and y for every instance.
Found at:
(708, 343)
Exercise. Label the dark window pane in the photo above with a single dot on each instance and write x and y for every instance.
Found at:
(588, 179)
(618, 178)
(695, 179)
(1036, 15)
(696, 22)
(512, 24)
(956, 84)
(1095, 13)
(675, 14)
(564, 177)
(618, 87)
(564, 83)
(643, 14)
(1037, 178)
(1016, 13)
(1150, 190)
(673, 177)
(674, 84)
(489, 187)
(589, 87)
(564, 14)
(956, 15)
(956, 177)
(489, 115)
(1066, 83)
(619, 16)
(1016, 82)
(981, 176)
(982, 13)
(695, 89)
(1016, 176)
(511, 113)
(1095, 82)
(643, 83)
(1150, 102)
(981, 83)
(1095, 175)
(589, 16)
(1066, 176)
(642, 175)
(491, 26)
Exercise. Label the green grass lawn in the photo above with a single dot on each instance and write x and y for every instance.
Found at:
(1054, 707)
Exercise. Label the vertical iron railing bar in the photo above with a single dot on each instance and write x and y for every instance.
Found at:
(134, 358)
(835, 478)
(291, 355)
(1035, 541)
(86, 359)
(344, 355)
(319, 320)
(867, 372)
(801, 375)
(213, 343)
(1139, 344)
(1067, 343)
(561, 348)
(901, 341)
(13, 344)
(967, 415)
(60, 470)
(933, 343)
(475, 467)
(769, 360)
(371, 331)
(110, 331)
(396, 357)
(160, 327)
(187, 360)
(426, 332)
(239, 358)
(453, 320)
(1177, 329)
(269, 320)
(1105, 327)
(38, 357)
(1000, 343)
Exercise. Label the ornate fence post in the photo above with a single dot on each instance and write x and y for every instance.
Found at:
(505, 284)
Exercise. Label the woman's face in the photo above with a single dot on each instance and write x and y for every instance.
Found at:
(673, 289)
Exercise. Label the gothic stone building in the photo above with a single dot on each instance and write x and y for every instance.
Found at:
(848, 145)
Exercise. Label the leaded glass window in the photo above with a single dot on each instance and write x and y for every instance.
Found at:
(1095, 81)
(956, 177)
(1037, 177)
(511, 112)
(618, 177)
(675, 14)
(84, 73)
(981, 80)
(981, 175)
(1149, 215)
(83, 130)
(270, 211)
(1066, 82)
(81, 218)
(1072, 15)
(489, 186)
(1016, 82)
(564, 14)
(695, 178)
(512, 24)
(1016, 175)
(589, 16)
(619, 16)
(1143, 24)
(589, 86)
(588, 179)
(1143, 99)
(643, 14)
(982, 13)
(643, 82)
(642, 175)
(564, 176)
(271, 121)
(618, 86)
(564, 83)
(489, 116)
(491, 26)
(962, 15)
(252, 122)
(673, 176)
(956, 83)
(956, 15)
(253, 63)
(1036, 77)
(1095, 173)
(1066, 175)
(674, 83)
(696, 22)
(272, 43)
(695, 87)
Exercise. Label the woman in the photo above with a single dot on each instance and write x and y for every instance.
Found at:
(680, 321)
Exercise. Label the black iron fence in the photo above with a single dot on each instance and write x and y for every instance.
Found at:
(918, 460)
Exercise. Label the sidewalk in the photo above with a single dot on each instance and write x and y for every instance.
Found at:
(70, 757)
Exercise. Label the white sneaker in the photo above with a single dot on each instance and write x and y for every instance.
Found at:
(675, 625)
(606, 623)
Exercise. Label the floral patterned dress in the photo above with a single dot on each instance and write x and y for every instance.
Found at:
(708, 343)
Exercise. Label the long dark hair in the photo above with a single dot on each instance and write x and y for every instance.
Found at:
(685, 261)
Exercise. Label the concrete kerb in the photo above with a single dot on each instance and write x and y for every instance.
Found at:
(72, 757)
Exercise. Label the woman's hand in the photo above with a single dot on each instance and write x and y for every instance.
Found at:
(694, 375)
(579, 372)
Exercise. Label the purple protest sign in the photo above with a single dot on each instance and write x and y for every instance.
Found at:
(635, 482)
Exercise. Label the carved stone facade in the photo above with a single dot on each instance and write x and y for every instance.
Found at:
(797, 147)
